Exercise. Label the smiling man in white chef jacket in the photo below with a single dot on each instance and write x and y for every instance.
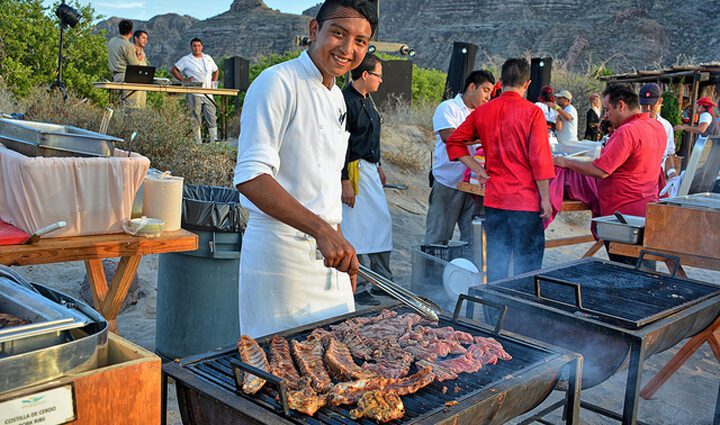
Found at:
(290, 153)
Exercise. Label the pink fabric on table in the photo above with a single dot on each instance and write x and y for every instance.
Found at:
(569, 184)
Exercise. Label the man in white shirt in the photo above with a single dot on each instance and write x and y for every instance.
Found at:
(448, 206)
(199, 67)
(569, 117)
(296, 267)
(651, 102)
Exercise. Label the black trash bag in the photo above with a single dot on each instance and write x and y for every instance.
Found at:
(212, 209)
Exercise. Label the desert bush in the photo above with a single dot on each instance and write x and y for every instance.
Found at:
(428, 85)
(407, 139)
(163, 134)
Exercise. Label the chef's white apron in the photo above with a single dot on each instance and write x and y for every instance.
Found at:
(282, 285)
(368, 226)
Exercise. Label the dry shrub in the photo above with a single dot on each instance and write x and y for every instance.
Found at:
(8, 104)
(163, 134)
(407, 136)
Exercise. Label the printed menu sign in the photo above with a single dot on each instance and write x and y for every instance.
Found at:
(49, 407)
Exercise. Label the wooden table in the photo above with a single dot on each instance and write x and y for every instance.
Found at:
(92, 249)
(709, 334)
(168, 88)
(567, 206)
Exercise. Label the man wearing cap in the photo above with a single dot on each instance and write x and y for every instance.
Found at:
(707, 123)
(569, 117)
(651, 102)
(295, 265)
(628, 168)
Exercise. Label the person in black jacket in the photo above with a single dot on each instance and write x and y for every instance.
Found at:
(366, 221)
(592, 120)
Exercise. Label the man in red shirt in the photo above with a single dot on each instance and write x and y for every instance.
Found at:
(518, 162)
(629, 166)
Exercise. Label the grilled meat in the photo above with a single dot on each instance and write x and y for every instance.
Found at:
(305, 399)
(340, 364)
(351, 392)
(252, 354)
(442, 373)
(493, 346)
(309, 358)
(381, 406)
(8, 321)
(281, 362)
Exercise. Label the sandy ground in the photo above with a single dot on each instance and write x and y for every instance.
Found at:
(687, 398)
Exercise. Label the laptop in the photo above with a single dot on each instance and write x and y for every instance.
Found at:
(139, 74)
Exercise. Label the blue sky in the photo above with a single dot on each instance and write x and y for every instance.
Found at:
(201, 9)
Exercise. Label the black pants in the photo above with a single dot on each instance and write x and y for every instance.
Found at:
(516, 236)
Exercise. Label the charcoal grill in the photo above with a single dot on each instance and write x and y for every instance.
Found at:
(605, 311)
(207, 391)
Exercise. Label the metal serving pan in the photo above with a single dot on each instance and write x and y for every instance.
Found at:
(81, 350)
(610, 229)
(697, 200)
(49, 321)
(34, 138)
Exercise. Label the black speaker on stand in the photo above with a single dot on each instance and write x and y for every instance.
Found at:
(397, 83)
(540, 74)
(462, 63)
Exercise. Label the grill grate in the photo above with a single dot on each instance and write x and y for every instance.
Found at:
(429, 400)
(627, 297)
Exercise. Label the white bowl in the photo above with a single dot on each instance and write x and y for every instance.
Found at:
(459, 276)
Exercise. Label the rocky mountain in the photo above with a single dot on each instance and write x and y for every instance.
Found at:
(626, 34)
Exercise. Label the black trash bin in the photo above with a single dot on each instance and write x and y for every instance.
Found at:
(197, 300)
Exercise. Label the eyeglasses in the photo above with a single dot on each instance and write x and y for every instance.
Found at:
(375, 74)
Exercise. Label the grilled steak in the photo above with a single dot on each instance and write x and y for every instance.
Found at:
(340, 364)
(382, 406)
(252, 354)
(494, 347)
(305, 400)
(309, 358)
(442, 373)
(281, 362)
(351, 392)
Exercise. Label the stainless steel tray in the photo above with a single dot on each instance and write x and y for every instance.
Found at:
(696, 200)
(33, 138)
(610, 229)
(49, 321)
(81, 350)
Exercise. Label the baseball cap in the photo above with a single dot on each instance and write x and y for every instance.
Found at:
(564, 93)
(649, 94)
(705, 101)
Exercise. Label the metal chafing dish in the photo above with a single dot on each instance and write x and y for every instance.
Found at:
(697, 200)
(33, 138)
(64, 335)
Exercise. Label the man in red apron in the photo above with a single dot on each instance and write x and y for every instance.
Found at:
(290, 152)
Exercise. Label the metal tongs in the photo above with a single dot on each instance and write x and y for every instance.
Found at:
(421, 305)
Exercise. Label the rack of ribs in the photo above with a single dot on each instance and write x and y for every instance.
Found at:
(252, 354)
(381, 406)
(309, 358)
(351, 392)
(281, 362)
(341, 365)
(305, 399)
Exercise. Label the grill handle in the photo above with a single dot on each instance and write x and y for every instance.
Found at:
(478, 300)
(675, 259)
(240, 367)
(578, 290)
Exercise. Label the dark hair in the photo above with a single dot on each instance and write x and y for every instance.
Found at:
(478, 77)
(194, 40)
(620, 91)
(368, 63)
(364, 7)
(138, 33)
(546, 94)
(125, 27)
(515, 72)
